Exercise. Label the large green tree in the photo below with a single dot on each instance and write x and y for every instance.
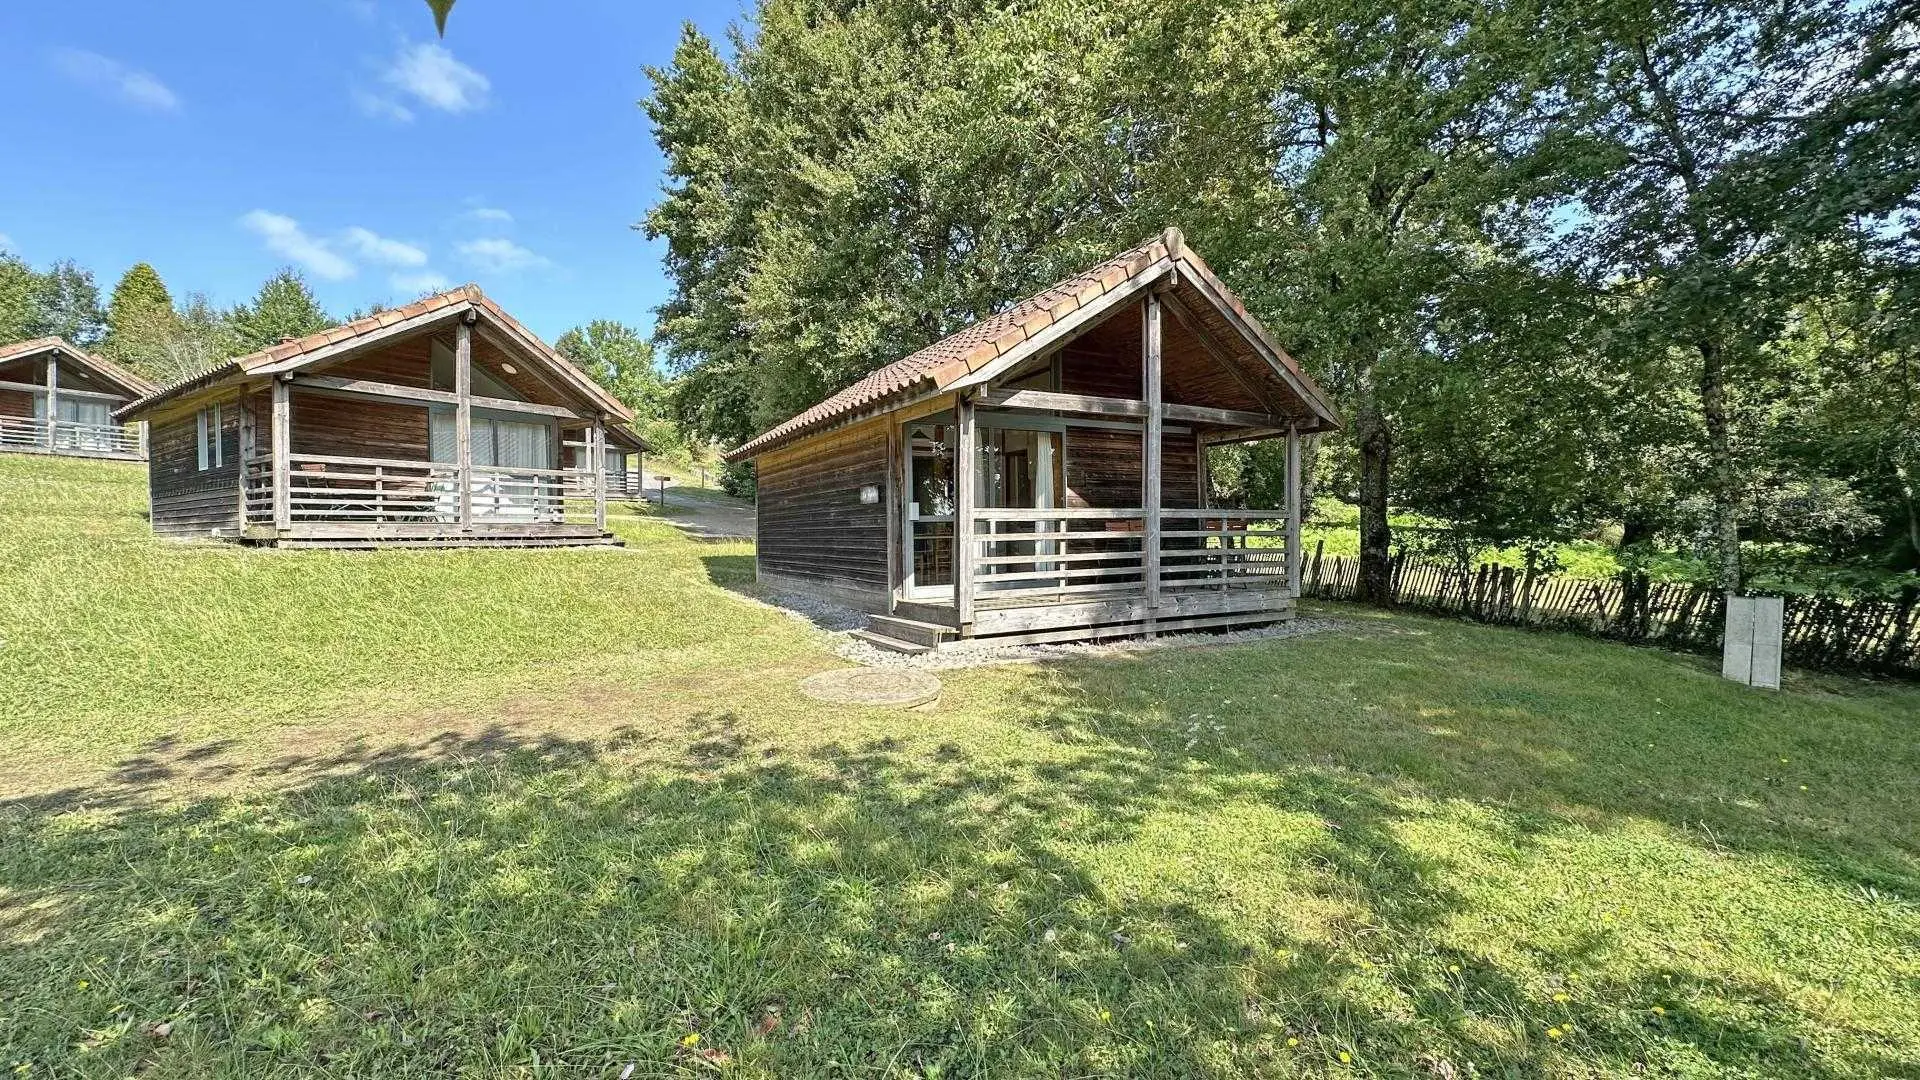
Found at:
(67, 305)
(283, 308)
(19, 298)
(141, 323)
(620, 359)
(1689, 144)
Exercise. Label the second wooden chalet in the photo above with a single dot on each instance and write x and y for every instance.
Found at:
(442, 423)
(58, 399)
(1041, 474)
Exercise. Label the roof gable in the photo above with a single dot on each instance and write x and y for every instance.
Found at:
(99, 366)
(336, 342)
(988, 348)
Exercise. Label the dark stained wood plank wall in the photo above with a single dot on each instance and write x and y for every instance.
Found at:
(812, 524)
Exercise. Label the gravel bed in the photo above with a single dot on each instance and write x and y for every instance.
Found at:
(838, 619)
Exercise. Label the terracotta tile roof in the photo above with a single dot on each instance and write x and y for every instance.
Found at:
(973, 347)
(287, 351)
(139, 386)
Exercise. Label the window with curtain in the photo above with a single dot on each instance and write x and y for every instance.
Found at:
(497, 444)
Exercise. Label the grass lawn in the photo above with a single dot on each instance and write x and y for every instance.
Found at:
(562, 813)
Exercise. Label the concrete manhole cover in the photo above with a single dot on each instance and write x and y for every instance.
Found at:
(885, 687)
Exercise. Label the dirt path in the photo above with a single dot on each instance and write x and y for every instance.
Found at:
(705, 514)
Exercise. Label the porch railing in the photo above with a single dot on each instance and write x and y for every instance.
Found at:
(1033, 554)
(28, 433)
(377, 491)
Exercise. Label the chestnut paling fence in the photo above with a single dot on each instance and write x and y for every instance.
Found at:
(1821, 631)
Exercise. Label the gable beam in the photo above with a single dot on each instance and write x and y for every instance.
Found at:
(65, 391)
(1091, 405)
(418, 395)
(1212, 348)
(1211, 289)
(539, 371)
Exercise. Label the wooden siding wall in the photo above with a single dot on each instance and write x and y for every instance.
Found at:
(1086, 367)
(1103, 469)
(187, 501)
(813, 528)
(407, 362)
(1106, 362)
(339, 426)
(16, 403)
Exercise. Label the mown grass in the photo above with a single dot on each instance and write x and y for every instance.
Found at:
(451, 841)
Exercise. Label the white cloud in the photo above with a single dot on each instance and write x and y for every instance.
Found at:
(490, 213)
(6, 243)
(428, 73)
(382, 108)
(132, 86)
(376, 248)
(284, 237)
(420, 284)
(501, 256)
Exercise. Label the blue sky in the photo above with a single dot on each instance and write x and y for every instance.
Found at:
(222, 139)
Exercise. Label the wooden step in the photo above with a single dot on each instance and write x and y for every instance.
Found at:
(920, 633)
(882, 641)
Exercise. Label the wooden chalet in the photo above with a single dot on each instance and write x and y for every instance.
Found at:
(444, 423)
(1041, 474)
(57, 399)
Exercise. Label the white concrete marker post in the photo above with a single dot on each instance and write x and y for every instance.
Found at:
(1750, 652)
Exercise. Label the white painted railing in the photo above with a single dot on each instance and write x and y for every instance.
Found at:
(65, 436)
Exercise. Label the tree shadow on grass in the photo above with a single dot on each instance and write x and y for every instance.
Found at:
(899, 906)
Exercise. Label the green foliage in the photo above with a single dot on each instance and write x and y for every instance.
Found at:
(141, 323)
(621, 360)
(284, 308)
(738, 479)
(62, 302)
(19, 298)
(1552, 286)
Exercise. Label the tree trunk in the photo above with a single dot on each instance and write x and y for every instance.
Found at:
(1725, 478)
(1376, 537)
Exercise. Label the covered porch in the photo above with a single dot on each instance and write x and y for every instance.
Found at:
(441, 424)
(1086, 511)
(58, 399)
(483, 462)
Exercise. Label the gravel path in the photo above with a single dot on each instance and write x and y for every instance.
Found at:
(837, 619)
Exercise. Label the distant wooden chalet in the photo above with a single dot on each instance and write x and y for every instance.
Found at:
(1041, 474)
(57, 399)
(442, 423)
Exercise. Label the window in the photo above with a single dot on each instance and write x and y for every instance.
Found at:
(496, 443)
(209, 453)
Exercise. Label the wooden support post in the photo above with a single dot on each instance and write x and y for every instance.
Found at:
(1151, 439)
(597, 454)
(282, 450)
(1293, 509)
(463, 415)
(964, 470)
(53, 400)
(896, 559)
(247, 452)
